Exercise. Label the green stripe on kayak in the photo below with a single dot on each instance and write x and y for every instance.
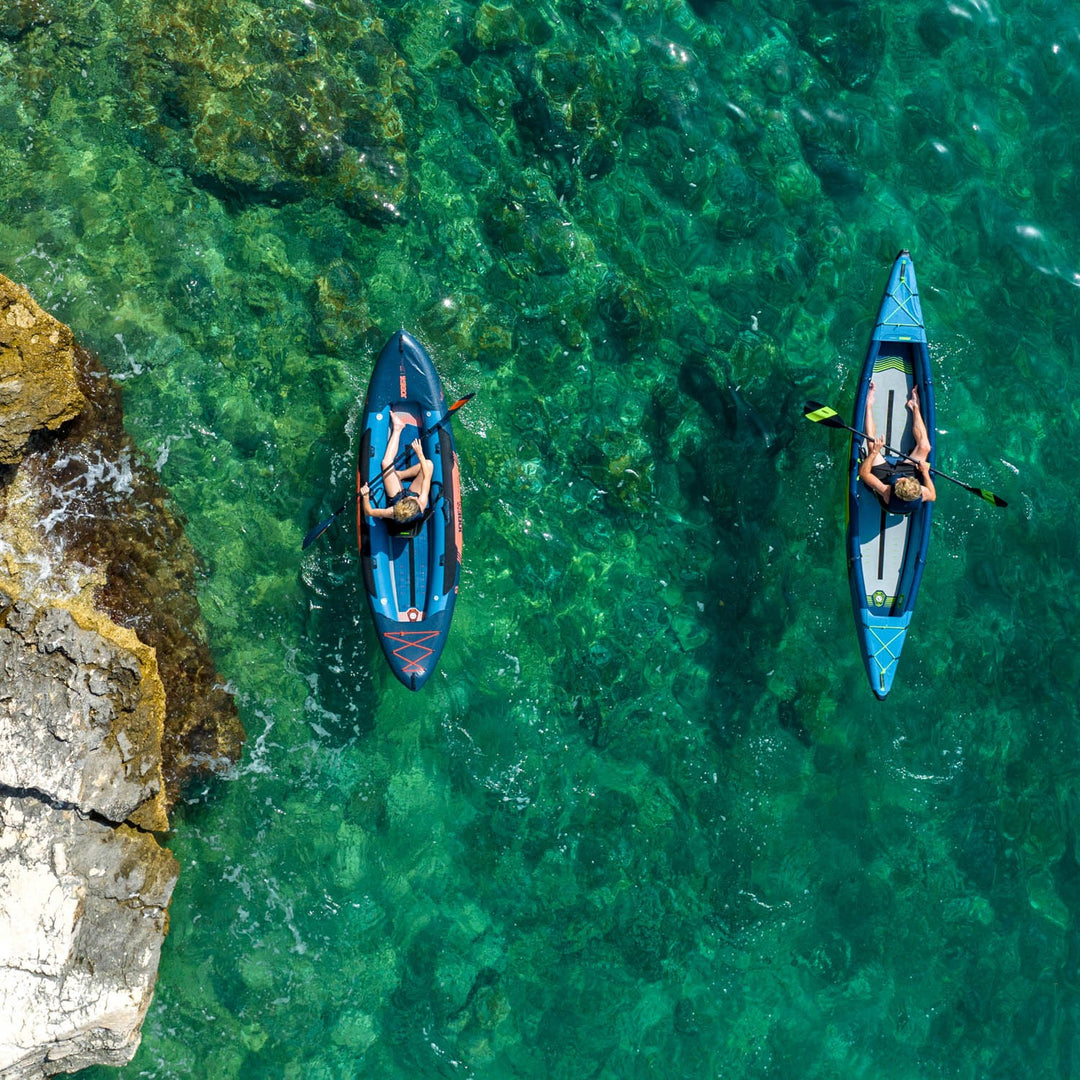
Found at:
(891, 363)
(878, 599)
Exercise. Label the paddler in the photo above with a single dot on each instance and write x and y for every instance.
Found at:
(403, 504)
(900, 488)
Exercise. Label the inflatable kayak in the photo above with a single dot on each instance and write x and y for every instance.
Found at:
(410, 569)
(887, 551)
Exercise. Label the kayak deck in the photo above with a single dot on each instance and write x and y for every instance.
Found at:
(883, 536)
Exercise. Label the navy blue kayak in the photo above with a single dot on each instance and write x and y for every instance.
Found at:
(886, 551)
(410, 573)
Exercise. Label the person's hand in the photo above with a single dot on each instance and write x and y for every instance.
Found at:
(924, 468)
(879, 443)
(365, 491)
(418, 448)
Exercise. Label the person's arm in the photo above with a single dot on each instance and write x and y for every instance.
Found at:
(866, 476)
(374, 511)
(929, 492)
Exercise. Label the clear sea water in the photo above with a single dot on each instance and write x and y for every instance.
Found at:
(647, 819)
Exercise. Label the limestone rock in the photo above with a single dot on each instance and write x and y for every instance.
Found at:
(37, 372)
(82, 917)
(81, 718)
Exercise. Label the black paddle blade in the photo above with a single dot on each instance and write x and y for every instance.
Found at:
(822, 414)
(318, 531)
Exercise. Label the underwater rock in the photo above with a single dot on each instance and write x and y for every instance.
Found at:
(499, 27)
(19, 17)
(109, 702)
(273, 103)
(849, 39)
(787, 712)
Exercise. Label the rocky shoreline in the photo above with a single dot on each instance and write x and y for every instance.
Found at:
(109, 704)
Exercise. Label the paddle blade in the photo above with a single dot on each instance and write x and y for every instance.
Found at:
(318, 531)
(990, 497)
(822, 414)
(461, 401)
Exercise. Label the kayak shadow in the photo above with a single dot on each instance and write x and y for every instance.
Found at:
(341, 652)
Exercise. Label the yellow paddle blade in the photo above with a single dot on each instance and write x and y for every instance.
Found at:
(822, 412)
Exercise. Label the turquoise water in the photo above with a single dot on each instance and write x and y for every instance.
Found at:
(647, 819)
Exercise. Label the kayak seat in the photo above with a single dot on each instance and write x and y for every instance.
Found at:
(411, 529)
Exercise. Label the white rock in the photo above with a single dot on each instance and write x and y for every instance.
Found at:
(79, 949)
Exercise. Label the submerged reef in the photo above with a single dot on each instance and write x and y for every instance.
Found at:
(109, 703)
(256, 103)
(273, 102)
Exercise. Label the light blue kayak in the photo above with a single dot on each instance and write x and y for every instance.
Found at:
(887, 552)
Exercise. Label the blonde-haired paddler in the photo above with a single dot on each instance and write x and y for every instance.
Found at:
(903, 486)
(402, 504)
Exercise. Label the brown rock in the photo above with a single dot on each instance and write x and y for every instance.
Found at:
(109, 538)
(37, 372)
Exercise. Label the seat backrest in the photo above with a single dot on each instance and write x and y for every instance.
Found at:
(411, 529)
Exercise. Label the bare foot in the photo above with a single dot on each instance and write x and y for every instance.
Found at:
(397, 421)
(870, 396)
(913, 401)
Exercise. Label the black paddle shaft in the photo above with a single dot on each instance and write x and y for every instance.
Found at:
(822, 414)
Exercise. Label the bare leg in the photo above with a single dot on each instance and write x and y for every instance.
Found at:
(918, 428)
(868, 422)
(391, 480)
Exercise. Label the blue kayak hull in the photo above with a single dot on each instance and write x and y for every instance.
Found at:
(411, 581)
(887, 552)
